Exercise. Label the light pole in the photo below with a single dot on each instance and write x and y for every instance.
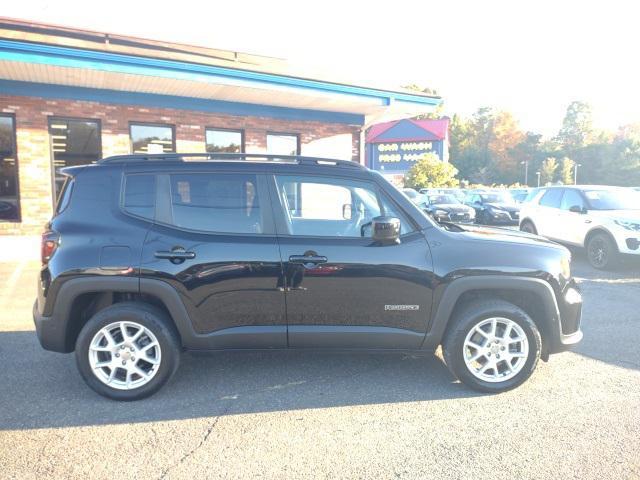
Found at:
(526, 171)
(538, 174)
(575, 173)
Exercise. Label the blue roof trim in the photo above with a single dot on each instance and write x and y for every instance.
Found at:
(11, 87)
(80, 58)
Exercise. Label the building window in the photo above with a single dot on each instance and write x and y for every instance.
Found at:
(226, 141)
(9, 189)
(73, 142)
(149, 138)
(283, 144)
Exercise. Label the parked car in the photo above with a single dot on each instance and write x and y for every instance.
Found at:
(413, 195)
(494, 207)
(150, 255)
(447, 208)
(604, 220)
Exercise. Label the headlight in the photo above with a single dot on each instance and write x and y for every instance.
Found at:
(628, 225)
(441, 212)
(499, 213)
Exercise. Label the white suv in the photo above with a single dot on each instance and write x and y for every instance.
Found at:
(605, 220)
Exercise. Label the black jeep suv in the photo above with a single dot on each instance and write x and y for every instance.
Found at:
(148, 255)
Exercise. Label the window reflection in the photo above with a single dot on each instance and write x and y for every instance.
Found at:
(152, 138)
(225, 141)
(9, 207)
(73, 142)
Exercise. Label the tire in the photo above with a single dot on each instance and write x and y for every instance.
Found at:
(528, 227)
(482, 218)
(512, 371)
(157, 346)
(602, 252)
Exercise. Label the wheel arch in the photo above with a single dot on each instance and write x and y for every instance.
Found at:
(595, 231)
(533, 295)
(80, 298)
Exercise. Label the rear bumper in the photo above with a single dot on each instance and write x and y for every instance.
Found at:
(51, 333)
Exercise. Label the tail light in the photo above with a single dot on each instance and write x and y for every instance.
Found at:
(48, 246)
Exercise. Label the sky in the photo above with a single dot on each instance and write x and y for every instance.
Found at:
(529, 57)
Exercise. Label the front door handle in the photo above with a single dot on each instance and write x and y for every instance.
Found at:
(307, 259)
(176, 256)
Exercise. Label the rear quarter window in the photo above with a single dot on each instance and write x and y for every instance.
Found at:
(140, 195)
(65, 195)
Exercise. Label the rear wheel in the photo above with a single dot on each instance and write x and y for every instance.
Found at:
(492, 346)
(128, 351)
(528, 227)
(601, 251)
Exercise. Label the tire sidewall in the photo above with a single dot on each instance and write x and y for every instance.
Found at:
(454, 354)
(149, 319)
(611, 251)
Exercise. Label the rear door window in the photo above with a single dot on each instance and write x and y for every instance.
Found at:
(216, 202)
(552, 198)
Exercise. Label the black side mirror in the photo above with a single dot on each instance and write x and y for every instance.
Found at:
(577, 209)
(385, 230)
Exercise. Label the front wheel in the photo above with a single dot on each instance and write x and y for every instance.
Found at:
(492, 346)
(528, 227)
(601, 251)
(128, 351)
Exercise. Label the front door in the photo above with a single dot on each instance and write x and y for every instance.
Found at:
(342, 289)
(213, 240)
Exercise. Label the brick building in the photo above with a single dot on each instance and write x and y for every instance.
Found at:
(71, 97)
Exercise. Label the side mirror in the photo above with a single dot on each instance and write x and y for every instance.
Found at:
(577, 209)
(385, 230)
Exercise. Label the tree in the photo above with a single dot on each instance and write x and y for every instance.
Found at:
(430, 172)
(437, 112)
(567, 169)
(548, 170)
(577, 127)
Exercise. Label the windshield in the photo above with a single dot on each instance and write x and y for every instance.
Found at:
(496, 197)
(613, 199)
(442, 199)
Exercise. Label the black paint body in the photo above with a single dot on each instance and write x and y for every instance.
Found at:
(246, 291)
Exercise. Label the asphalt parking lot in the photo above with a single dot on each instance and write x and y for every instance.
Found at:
(293, 415)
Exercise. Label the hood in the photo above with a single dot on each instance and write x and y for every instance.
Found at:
(472, 232)
(507, 207)
(633, 215)
(451, 207)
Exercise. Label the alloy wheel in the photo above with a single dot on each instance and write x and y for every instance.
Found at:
(496, 349)
(598, 252)
(124, 355)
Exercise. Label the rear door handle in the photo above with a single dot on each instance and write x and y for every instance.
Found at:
(304, 259)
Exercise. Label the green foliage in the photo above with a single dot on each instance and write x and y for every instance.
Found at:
(567, 168)
(548, 171)
(431, 172)
(489, 148)
(577, 127)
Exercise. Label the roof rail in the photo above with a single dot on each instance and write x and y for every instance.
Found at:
(228, 157)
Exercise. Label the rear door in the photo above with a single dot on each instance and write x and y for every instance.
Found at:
(214, 241)
(342, 289)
